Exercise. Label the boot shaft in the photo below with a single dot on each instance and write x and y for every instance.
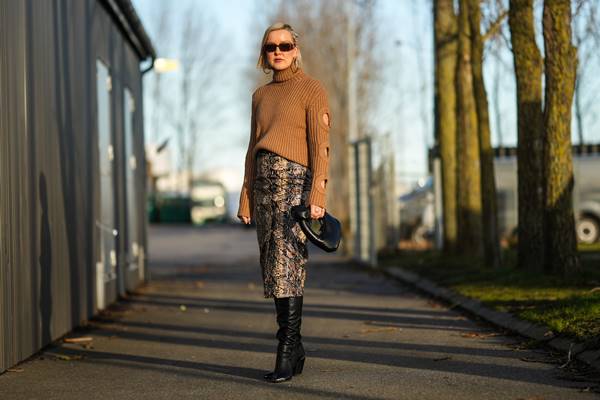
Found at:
(289, 319)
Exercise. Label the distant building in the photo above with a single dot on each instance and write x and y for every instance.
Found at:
(72, 165)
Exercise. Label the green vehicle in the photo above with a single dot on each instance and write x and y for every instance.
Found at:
(168, 208)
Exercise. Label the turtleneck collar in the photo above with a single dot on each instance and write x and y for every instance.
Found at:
(286, 74)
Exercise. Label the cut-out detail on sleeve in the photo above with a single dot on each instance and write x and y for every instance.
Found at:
(324, 117)
(324, 150)
(318, 183)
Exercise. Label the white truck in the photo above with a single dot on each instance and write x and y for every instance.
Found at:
(417, 207)
(208, 202)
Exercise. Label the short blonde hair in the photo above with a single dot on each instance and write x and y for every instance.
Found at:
(277, 26)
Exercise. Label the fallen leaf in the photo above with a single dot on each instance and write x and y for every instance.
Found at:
(543, 360)
(433, 304)
(85, 339)
(479, 335)
(182, 307)
(15, 370)
(531, 398)
(63, 357)
(377, 330)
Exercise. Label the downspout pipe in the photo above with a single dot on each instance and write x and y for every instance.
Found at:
(149, 67)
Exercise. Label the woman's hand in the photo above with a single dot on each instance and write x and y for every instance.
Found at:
(316, 212)
(245, 220)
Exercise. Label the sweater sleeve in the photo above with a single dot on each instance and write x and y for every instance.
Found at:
(318, 122)
(246, 197)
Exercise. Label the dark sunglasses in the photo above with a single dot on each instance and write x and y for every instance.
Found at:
(285, 46)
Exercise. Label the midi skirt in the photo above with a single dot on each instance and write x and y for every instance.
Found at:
(279, 185)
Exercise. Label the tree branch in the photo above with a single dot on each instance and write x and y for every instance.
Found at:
(495, 26)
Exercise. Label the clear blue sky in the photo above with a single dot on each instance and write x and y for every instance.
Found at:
(406, 111)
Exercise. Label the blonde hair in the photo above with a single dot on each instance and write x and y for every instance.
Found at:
(262, 59)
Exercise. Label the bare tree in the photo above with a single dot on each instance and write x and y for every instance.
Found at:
(200, 103)
(469, 176)
(189, 101)
(560, 69)
(586, 35)
(528, 71)
(491, 240)
(546, 221)
(162, 41)
(445, 31)
(422, 74)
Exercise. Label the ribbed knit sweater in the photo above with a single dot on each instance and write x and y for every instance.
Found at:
(288, 119)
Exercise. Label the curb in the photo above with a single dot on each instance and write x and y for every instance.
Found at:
(499, 318)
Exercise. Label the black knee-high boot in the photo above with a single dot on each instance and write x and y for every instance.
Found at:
(290, 352)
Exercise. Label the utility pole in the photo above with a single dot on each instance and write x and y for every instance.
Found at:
(352, 130)
(360, 176)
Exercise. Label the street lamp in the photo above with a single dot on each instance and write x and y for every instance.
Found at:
(162, 65)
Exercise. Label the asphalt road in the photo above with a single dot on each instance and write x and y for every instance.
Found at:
(201, 329)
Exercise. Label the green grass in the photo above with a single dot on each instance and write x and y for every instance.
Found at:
(595, 247)
(569, 306)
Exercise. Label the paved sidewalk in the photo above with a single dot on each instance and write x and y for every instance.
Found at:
(202, 330)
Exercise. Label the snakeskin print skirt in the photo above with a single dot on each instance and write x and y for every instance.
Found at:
(280, 184)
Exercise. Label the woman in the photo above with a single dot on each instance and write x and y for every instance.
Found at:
(286, 164)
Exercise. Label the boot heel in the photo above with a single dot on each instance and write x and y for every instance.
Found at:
(299, 366)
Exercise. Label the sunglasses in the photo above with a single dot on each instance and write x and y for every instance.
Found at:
(285, 46)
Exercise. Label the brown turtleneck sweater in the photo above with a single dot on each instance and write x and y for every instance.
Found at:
(288, 119)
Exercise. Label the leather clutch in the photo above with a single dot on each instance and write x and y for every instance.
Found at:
(329, 235)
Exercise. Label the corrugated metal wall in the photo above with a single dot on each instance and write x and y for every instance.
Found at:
(49, 196)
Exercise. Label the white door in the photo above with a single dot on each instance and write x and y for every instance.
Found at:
(132, 240)
(106, 267)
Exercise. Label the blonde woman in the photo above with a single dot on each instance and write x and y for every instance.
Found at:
(286, 164)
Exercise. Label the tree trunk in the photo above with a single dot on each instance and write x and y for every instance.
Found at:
(445, 112)
(491, 240)
(528, 71)
(560, 68)
(469, 182)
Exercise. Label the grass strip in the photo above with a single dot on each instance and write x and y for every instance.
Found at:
(569, 306)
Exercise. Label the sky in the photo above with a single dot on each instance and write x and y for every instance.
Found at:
(405, 108)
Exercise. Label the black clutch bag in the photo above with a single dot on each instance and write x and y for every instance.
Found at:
(329, 235)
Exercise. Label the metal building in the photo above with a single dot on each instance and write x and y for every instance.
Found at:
(72, 165)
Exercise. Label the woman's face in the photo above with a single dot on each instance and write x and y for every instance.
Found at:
(278, 59)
